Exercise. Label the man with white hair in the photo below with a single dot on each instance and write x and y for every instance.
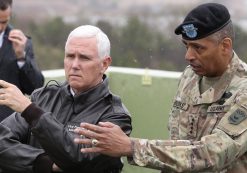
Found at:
(39, 136)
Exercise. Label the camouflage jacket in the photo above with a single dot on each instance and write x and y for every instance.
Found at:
(208, 131)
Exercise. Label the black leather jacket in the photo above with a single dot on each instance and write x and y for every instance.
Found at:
(47, 130)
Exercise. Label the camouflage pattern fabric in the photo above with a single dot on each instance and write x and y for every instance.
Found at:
(208, 131)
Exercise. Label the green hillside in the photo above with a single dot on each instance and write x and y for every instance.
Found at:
(148, 104)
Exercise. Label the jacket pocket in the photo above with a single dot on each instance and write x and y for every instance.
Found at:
(234, 121)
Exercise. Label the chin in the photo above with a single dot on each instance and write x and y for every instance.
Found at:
(74, 85)
(200, 73)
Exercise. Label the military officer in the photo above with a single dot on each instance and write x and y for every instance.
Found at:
(208, 119)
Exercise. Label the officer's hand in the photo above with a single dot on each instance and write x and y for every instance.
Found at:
(12, 97)
(106, 138)
(19, 41)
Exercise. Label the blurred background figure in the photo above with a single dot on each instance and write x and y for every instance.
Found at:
(17, 62)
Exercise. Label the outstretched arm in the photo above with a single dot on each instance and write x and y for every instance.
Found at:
(213, 152)
(111, 139)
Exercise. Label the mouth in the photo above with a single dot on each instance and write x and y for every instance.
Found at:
(195, 67)
(74, 75)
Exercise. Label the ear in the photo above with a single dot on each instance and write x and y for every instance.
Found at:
(227, 45)
(106, 62)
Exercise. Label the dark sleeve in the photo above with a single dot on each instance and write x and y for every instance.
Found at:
(123, 120)
(42, 164)
(119, 115)
(57, 141)
(30, 75)
(15, 155)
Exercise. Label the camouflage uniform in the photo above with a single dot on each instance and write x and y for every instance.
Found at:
(208, 131)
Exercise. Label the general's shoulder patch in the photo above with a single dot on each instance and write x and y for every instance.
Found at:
(237, 117)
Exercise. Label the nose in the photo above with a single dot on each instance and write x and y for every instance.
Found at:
(75, 62)
(189, 55)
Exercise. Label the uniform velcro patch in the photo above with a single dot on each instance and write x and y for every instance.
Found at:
(237, 117)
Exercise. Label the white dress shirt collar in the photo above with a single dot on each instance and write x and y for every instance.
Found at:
(1, 39)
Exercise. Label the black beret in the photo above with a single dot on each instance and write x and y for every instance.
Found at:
(203, 21)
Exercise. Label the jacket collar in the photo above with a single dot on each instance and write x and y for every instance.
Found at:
(84, 99)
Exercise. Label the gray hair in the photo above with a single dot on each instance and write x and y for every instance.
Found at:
(226, 31)
(87, 31)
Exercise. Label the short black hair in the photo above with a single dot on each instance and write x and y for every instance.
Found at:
(4, 4)
(204, 20)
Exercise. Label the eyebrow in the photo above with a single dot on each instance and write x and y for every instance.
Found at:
(191, 43)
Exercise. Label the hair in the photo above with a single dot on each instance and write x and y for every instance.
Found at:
(4, 4)
(87, 31)
(226, 32)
